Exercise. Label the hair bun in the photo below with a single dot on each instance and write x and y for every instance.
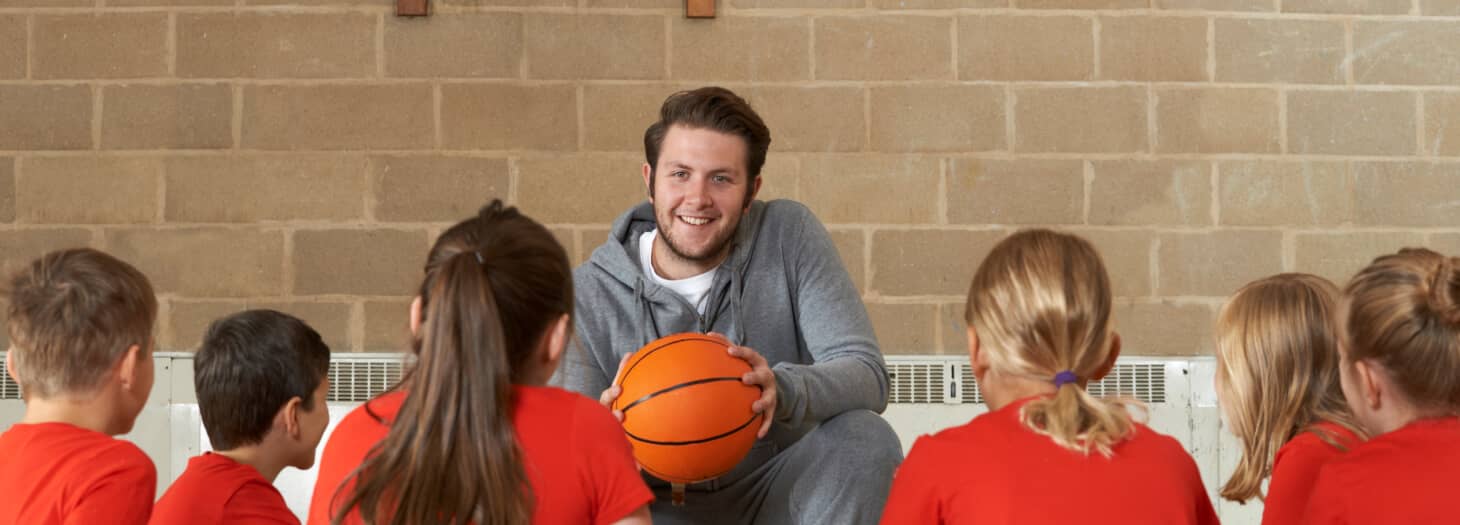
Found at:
(1444, 292)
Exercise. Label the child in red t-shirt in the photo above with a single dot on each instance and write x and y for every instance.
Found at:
(1400, 347)
(1038, 316)
(80, 325)
(471, 435)
(1277, 379)
(261, 377)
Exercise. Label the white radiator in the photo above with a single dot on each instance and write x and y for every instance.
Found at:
(929, 393)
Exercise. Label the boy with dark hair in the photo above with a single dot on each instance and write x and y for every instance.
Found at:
(80, 324)
(261, 379)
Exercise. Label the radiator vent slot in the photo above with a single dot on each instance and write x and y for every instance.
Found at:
(8, 388)
(928, 380)
(355, 380)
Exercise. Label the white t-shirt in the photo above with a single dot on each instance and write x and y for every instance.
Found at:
(692, 289)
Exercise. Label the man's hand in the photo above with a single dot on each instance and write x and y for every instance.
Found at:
(761, 375)
(608, 396)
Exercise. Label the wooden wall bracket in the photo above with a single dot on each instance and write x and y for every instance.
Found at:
(412, 7)
(699, 8)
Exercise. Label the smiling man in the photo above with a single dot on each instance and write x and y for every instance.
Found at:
(704, 256)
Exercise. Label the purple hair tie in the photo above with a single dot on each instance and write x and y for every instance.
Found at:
(1064, 378)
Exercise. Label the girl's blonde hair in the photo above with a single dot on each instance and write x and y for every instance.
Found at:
(1277, 368)
(1040, 305)
(1403, 312)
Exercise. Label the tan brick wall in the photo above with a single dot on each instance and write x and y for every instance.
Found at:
(301, 154)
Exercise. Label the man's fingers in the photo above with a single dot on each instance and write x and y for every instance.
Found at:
(608, 396)
(621, 363)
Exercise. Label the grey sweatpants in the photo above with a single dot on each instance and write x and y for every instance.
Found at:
(838, 473)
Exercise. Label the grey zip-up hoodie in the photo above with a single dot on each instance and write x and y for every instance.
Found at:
(782, 291)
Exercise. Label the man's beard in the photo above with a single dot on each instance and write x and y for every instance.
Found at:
(709, 255)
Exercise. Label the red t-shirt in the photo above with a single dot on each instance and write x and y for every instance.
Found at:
(996, 470)
(577, 459)
(1405, 476)
(216, 489)
(54, 473)
(1295, 469)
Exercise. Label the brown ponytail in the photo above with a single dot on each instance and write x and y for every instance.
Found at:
(1403, 312)
(493, 286)
(1041, 304)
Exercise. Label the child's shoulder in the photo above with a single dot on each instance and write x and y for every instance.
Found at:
(563, 406)
(63, 443)
(983, 434)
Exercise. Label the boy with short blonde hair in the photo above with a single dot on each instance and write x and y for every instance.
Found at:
(80, 324)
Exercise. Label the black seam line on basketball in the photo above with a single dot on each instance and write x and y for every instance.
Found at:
(695, 441)
(677, 387)
(625, 377)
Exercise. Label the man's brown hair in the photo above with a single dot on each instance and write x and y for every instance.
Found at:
(713, 108)
(72, 314)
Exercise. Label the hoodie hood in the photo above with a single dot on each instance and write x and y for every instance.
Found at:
(619, 259)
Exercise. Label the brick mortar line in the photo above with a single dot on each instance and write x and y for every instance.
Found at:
(1040, 12)
(668, 47)
(1211, 55)
(953, 45)
(396, 82)
(579, 110)
(327, 299)
(417, 227)
(1419, 127)
(356, 326)
(1119, 300)
(728, 11)
(1348, 52)
(1282, 100)
(438, 138)
(811, 47)
(866, 262)
(608, 154)
(161, 209)
(371, 199)
(1289, 254)
(733, 84)
(379, 42)
(29, 47)
(945, 169)
(1011, 104)
(96, 112)
(1216, 194)
(1152, 133)
(171, 44)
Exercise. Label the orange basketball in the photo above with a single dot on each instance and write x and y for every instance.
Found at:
(685, 410)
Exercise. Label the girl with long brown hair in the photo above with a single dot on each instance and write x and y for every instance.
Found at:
(471, 435)
(1399, 343)
(1048, 452)
(1277, 380)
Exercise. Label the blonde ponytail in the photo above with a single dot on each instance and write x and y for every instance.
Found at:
(1041, 304)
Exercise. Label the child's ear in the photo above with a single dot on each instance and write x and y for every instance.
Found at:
(557, 340)
(975, 354)
(1109, 363)
(10, 365)
(1369, 384)
(648, 172)
(290, 415)
(415, 317)
(127, 366)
